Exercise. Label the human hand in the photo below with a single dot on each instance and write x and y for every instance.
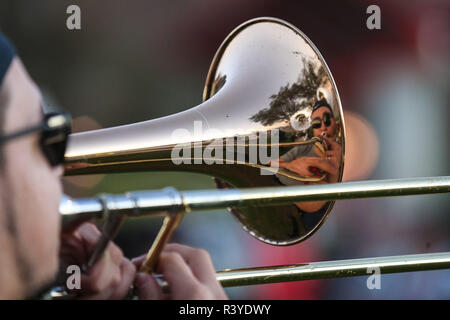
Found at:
(298, 166)
(304, 165)
(188, 271)
(113, 274)
(334, 152)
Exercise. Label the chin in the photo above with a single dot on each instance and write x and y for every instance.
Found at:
(44, 280)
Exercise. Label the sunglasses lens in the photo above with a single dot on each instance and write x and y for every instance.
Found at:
(54, 142)
(54, 146)
(327, 119)
(316, 123)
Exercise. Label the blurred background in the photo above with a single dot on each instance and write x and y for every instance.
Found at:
(137, 60)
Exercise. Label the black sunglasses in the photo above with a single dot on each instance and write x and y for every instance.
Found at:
(317, 122)
(55, 129)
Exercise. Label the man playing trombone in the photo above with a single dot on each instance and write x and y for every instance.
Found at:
(32, 147)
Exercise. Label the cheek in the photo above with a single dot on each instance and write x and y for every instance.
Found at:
(36, 192)
(332, 129)
(45, 195)
(316, 132)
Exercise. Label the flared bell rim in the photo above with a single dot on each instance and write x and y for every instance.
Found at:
(208, 93)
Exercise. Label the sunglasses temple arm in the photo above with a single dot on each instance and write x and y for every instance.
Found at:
(21, 133)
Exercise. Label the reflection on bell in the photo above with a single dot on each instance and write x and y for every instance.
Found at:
(325, 94)
(263, 82)
(301, 120)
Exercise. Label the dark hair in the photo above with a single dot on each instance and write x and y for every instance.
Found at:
(322, 103)
(7, 53)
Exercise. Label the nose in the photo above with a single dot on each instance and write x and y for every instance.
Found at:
(322, 125)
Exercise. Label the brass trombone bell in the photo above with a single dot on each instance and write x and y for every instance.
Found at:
(271, 131)
(266, 85)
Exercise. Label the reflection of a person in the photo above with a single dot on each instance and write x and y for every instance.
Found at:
(309, 161)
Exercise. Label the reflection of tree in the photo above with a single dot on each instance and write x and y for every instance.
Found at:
(292, 98)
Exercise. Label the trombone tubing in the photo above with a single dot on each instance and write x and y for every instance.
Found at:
(170, 200)
(334, 269)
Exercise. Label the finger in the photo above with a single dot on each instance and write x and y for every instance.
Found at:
(128, 272)
(177, 273)
(77, 246)
(146, 287)
(198, 260)
(115, 252)
(202, 268)
(335, 158)
(306, 162)
(103, 275)
(321, 163)
(112, 258)
(89, 234)
(332, 144)
(138, 261)
(298, 166)
(331, 155)
(71, 252)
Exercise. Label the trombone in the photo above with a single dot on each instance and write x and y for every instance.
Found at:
(268, 89)
(169, 200)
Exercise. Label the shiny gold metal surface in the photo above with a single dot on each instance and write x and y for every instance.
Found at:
(267, 78)
(171, 201)
(333, 269)
(271, 116)
(170, 223)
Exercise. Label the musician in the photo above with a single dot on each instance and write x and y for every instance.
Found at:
(31, 155)
(309, 161)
